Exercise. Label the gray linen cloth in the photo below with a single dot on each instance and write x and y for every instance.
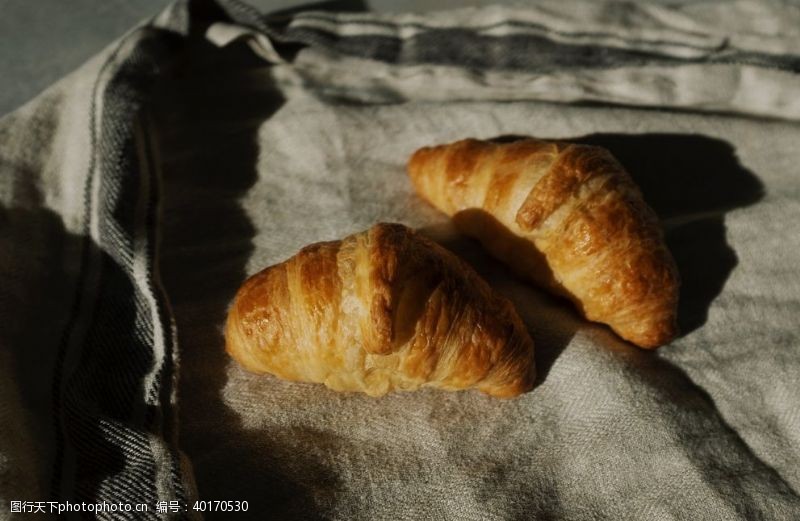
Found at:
(137, 194)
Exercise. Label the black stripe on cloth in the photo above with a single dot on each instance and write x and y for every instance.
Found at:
(399, 27)
(534, 53)
(81, 286)
(109, 419)
(166, 379)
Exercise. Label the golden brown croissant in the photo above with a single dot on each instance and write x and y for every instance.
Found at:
(380, 310)
(566, 216)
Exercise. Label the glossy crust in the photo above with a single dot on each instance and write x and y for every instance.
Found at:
(381, 310)
(566, 216)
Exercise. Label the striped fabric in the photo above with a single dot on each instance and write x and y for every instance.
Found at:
(107, 274)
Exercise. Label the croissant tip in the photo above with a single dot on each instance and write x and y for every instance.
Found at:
(655, 338)
(416, 162)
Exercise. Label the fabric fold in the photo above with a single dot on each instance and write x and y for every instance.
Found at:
(648, 55)
(139, 191)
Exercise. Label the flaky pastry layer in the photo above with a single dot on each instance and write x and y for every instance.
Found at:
(565, 216)
(381, 310)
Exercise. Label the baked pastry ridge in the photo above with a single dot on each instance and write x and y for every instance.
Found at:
(382, 310)
(567, 217)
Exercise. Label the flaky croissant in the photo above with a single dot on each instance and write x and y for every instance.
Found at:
(381, 310)
(566, 216)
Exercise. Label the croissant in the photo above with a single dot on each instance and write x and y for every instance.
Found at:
(381, 310)
(565, 216)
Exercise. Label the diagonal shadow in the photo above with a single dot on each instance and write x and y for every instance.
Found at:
(699, 434)
(702, 434)
(38, 270)
(208, 113)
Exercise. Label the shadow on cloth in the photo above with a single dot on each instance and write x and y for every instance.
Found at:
(38, 268)
(685, 422)
(687, 428)
(95, 393)
(208, 115)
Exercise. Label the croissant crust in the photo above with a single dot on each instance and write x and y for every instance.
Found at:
(381, 310)
(565, 216)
